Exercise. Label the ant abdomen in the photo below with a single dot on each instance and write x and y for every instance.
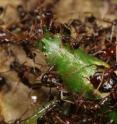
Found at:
(103, 84)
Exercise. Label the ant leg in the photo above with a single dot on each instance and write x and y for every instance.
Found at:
(116, 47)
(19, 120)
(16, 87)
(33, 98)
(62, 92)
(50, 96)
(102, 78)
(34, 66)
(112, 31)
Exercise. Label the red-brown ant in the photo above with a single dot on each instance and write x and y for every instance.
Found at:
(74, 45)
(114, 93)
(6, 37)
(66, 39)
(105, 80)
(72, 42)
(21, 11)
(4, 86)
(51, 79)
(23, 71)
(26, 48)
(1, 10)
(2, 82)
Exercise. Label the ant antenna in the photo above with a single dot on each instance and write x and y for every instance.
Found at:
(116, 48)
(112, 31)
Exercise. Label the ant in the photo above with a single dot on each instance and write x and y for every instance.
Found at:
(113, 93)
(4, 86)
(50, 78)
(1, 10)
(2, 82)
(7, 37)
(68, 39)
(26, 48)
(23, 71)
(105, 81)
(21, 11)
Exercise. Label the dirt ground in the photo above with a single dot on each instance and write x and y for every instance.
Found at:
(64, 10)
